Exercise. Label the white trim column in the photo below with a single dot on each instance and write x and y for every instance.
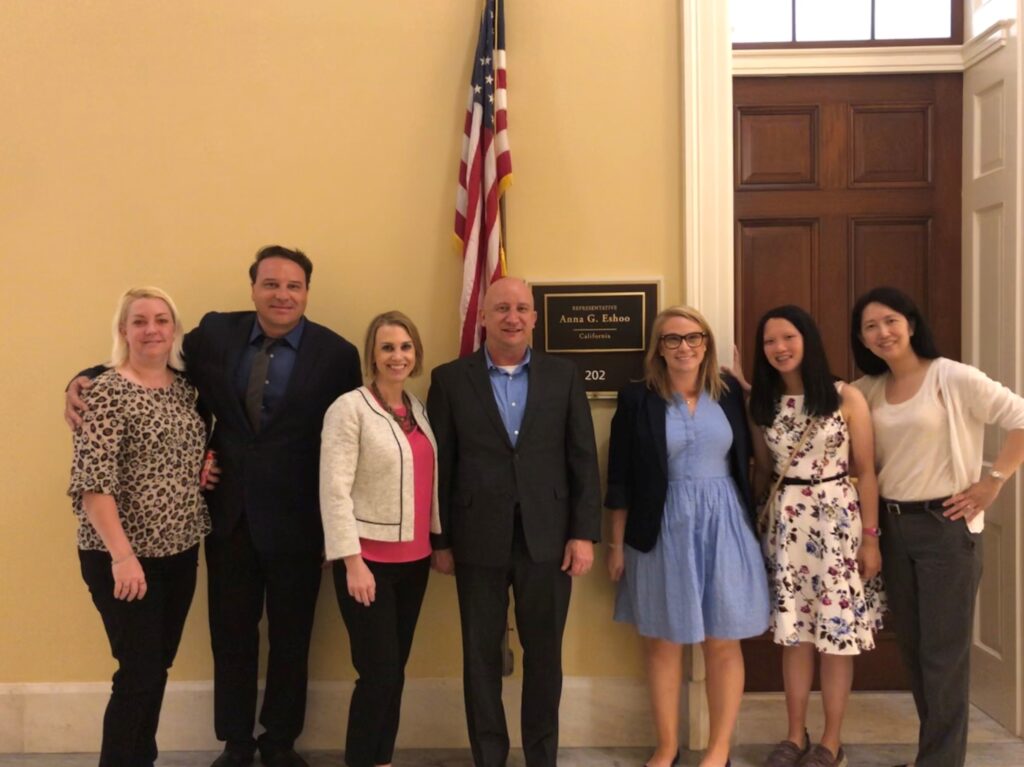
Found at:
(708, 222)
(708, 164)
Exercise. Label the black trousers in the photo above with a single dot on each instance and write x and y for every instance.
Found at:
(932, 568)
(380, 637)
(541, 593)
(144, 635)
(241, 581)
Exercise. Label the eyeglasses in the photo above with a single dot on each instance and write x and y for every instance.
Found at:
(693, 340)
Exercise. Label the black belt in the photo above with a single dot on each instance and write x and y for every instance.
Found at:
(914, 507)
(802, 481)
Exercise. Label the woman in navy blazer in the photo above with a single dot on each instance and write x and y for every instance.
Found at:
(682, 548)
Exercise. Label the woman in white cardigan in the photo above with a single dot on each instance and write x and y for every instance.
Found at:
(929, 414)
(378, 500)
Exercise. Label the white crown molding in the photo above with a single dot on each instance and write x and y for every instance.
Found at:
(983, 45)
(878, 60)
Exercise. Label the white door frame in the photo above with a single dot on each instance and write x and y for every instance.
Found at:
(708, 65)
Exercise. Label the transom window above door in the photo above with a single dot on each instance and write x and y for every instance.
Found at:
(824, 23)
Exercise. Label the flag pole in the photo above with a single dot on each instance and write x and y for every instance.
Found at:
(503, 230)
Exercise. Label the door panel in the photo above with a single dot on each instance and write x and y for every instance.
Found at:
(994, 341)
(777, 148)
(844, 184)
(890, 145)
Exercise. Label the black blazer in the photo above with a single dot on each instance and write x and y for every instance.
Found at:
(551, 474)
(273, 476)
(638, 458)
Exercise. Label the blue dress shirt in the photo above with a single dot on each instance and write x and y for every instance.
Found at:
(283, 353)
(510, 390)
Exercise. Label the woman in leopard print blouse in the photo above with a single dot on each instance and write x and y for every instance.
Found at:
(135, 490)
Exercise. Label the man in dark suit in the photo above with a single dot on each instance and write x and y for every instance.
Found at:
(520, 507)
(267, 377)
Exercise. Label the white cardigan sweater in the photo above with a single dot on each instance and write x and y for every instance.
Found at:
(366, 474)
(972, 401)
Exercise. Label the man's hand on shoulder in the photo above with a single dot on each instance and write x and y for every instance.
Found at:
(579, 556)
(74, 405)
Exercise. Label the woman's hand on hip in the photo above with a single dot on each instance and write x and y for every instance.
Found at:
(362, 586)
(974, 500)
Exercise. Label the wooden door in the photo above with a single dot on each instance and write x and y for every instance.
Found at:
(993, 283)
(843, 184)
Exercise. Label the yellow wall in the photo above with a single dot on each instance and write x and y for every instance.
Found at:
(164, 142)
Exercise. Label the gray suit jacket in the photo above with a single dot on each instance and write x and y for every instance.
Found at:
(550, 474)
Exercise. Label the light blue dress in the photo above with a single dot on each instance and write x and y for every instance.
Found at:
(705, 576)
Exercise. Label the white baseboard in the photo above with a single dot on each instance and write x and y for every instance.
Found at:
(56, 718)
(596, 712)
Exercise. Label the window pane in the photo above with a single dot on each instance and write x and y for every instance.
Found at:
(761, 21)
(833, 20)
(900, 19)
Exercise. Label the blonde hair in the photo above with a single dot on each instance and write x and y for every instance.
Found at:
(393, 317)
(709, 377)
(119, 351)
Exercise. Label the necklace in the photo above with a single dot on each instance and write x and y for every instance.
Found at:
(407, 422)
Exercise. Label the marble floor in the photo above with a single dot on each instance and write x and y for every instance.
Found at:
(880, 732)
(1000, 754)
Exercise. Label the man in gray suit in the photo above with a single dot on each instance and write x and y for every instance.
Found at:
(520, 507)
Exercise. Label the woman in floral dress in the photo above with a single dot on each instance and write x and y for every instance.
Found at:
(820, 539)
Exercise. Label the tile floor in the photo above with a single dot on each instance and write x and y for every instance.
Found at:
(1004, 754)
(879, 731)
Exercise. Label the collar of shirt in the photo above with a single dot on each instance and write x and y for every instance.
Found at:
(292, 337)
(510, 393)
(523, 363)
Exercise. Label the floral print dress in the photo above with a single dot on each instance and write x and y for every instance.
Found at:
(812, 540)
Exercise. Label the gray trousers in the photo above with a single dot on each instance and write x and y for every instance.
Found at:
(932, 568)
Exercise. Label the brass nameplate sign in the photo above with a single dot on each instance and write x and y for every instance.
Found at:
(603, 327)
(585, 322)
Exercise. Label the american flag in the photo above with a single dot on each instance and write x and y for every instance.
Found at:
(484, 173)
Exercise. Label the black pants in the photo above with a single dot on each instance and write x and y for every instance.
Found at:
(144, 635)
(380, 637)
(241, 580)
(932, 568)
(541, 592)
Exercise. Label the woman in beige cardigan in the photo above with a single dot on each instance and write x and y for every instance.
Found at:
(378, 500)
(929, 415)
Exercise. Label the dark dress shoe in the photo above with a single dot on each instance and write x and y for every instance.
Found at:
(232, 759)
(285, 758)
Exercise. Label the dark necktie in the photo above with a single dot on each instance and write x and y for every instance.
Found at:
(257, 381)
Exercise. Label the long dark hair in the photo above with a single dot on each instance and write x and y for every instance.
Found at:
(921, 339)
(820, 395)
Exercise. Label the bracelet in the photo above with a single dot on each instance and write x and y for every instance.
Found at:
(122, 559)
(874, 532)
(614, 545)
(997, 475)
